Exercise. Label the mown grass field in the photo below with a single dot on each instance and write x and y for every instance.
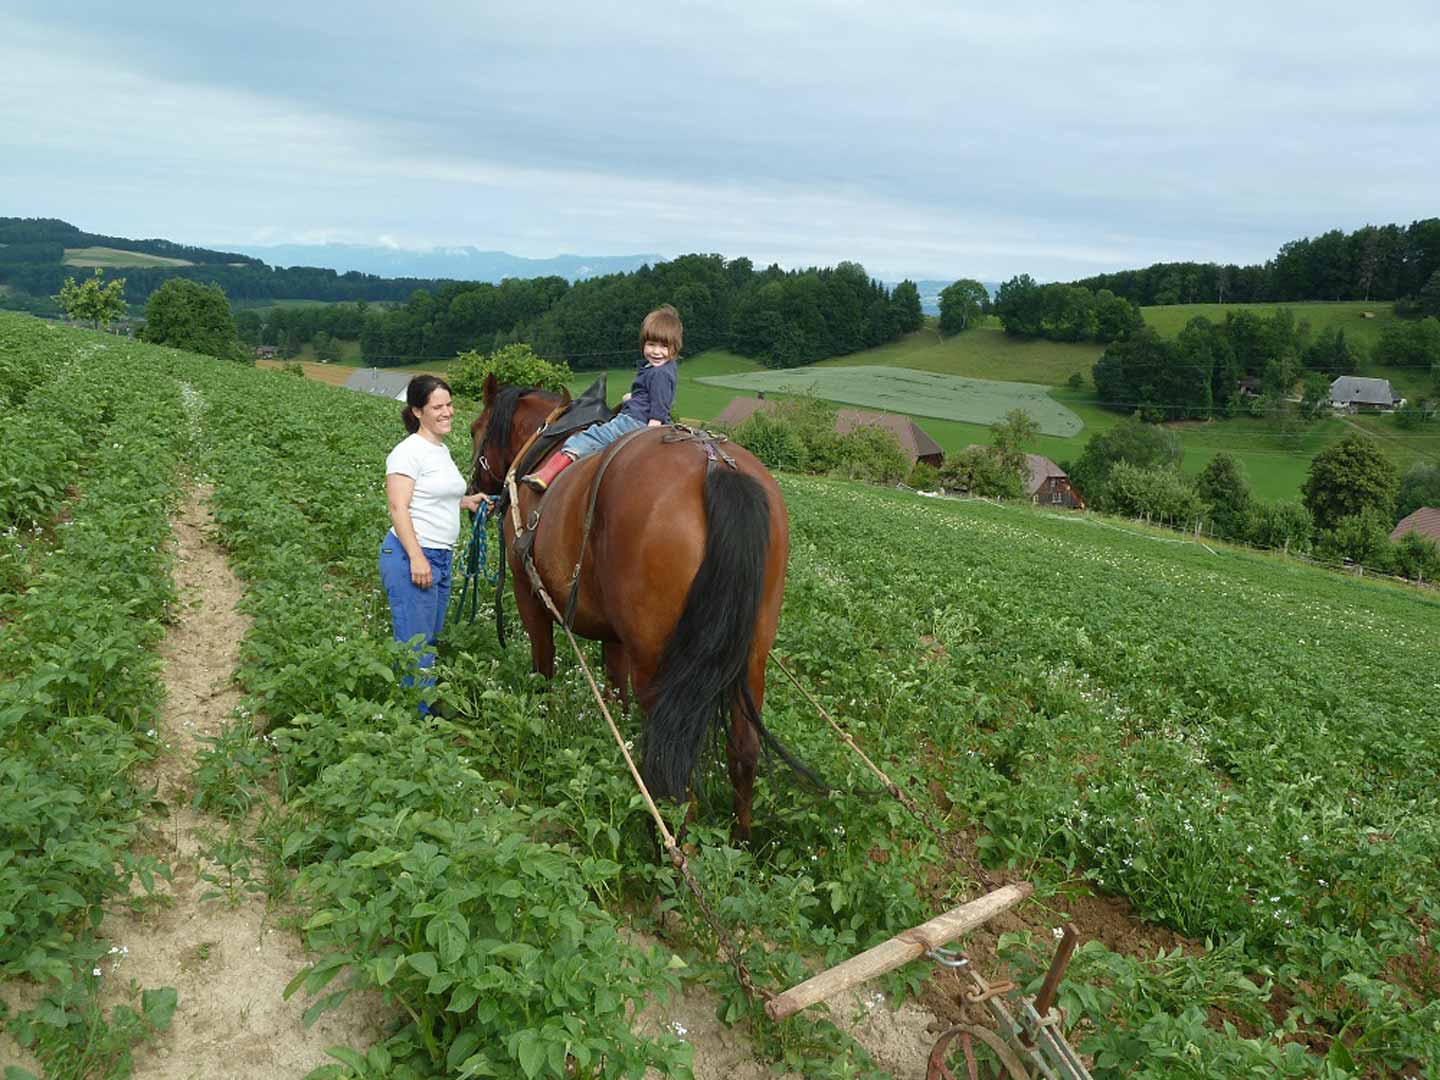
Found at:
(916, 393)
(114, 257)
(1245, 750)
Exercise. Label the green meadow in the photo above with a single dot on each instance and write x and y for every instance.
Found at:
(1276, 458)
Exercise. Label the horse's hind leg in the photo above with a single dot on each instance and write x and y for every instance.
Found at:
(742, 751)
(540, 629)
(617, 670)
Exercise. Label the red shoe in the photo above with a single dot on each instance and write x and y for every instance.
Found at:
(544, 476)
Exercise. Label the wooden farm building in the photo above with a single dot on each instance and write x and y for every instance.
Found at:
(1423, 522)
(917, 445)
(1049, 485)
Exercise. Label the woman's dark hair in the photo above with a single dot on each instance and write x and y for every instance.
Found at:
(417, 396)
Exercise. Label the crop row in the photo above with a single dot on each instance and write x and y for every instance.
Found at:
(1247, 752)
(79, 685)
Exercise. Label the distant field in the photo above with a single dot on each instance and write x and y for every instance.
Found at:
(985, 352)
(332, 374)
(114, 257)
(918, 393)
(1348, 315)
(266, 304)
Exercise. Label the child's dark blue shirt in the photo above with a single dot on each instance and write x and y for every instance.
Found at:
(652, 393)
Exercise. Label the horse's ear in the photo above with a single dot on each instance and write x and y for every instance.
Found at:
(488, 391)
(564, 395)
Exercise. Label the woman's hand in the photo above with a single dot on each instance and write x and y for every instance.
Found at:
(473, 502)
(420, 575)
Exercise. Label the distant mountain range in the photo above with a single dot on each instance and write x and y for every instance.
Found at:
(930, 292)
(472, 264)
(459, 263)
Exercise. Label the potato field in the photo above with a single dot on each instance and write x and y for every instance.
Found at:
(1236, 757)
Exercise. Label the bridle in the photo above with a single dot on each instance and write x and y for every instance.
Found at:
(480, 462)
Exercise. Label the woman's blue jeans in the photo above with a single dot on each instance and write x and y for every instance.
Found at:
(415, 611)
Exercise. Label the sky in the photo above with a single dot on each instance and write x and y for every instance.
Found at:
(929, 140)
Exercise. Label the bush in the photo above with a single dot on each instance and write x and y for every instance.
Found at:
(923, 477)
(979, 470)
(513, 365)
(1417, 557)
(1277, 525)
(1362, 538)
(292, 367)
(774, 442)
(1158, 493)
(871, 453)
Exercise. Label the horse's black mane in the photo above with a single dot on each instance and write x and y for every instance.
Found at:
(502, 415)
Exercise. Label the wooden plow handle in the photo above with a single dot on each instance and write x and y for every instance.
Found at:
(901, 949)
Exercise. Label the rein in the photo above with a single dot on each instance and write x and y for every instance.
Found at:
(474, 563)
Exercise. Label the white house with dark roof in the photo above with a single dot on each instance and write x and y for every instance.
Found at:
(388, 384)
(1355, 394)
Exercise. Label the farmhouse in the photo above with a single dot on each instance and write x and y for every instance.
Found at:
(1049, 485)
(1423, 522)
(381, 383)
(1355, 394)
(916, 445)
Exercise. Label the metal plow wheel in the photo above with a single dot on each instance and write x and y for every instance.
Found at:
(1028, 1049)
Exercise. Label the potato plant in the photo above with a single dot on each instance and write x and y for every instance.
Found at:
(1246, 750)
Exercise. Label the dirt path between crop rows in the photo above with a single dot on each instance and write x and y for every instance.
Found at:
(228, 960)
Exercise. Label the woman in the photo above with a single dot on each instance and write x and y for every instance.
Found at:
(425, 492)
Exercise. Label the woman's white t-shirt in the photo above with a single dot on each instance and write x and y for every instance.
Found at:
(435, 506)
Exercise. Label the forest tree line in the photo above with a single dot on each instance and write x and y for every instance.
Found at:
(1250, 361)
(780, 318)
(1375, 262)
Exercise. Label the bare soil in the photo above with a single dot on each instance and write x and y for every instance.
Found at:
(226, 957)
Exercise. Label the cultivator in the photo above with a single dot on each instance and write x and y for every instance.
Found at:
(1023, 1044)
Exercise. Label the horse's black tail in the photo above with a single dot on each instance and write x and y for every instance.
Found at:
(703, 672)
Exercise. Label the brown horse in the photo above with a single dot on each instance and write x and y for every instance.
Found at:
(681, 580)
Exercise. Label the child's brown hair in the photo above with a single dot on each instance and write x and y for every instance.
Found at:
(663, 325)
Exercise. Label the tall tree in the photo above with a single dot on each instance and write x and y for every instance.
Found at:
(961, 305)
(1139, 444)
(1348, 478)
(909, 314)
(187, 315)
(1223, 487)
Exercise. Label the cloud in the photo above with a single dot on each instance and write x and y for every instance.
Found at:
(937, 138)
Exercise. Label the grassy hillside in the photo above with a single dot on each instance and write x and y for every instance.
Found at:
(1276, 461)
(1362, 323)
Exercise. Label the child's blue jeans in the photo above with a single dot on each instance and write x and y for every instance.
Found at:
(601, 435)
(414, 610)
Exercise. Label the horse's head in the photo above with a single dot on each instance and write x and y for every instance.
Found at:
(510, 416)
